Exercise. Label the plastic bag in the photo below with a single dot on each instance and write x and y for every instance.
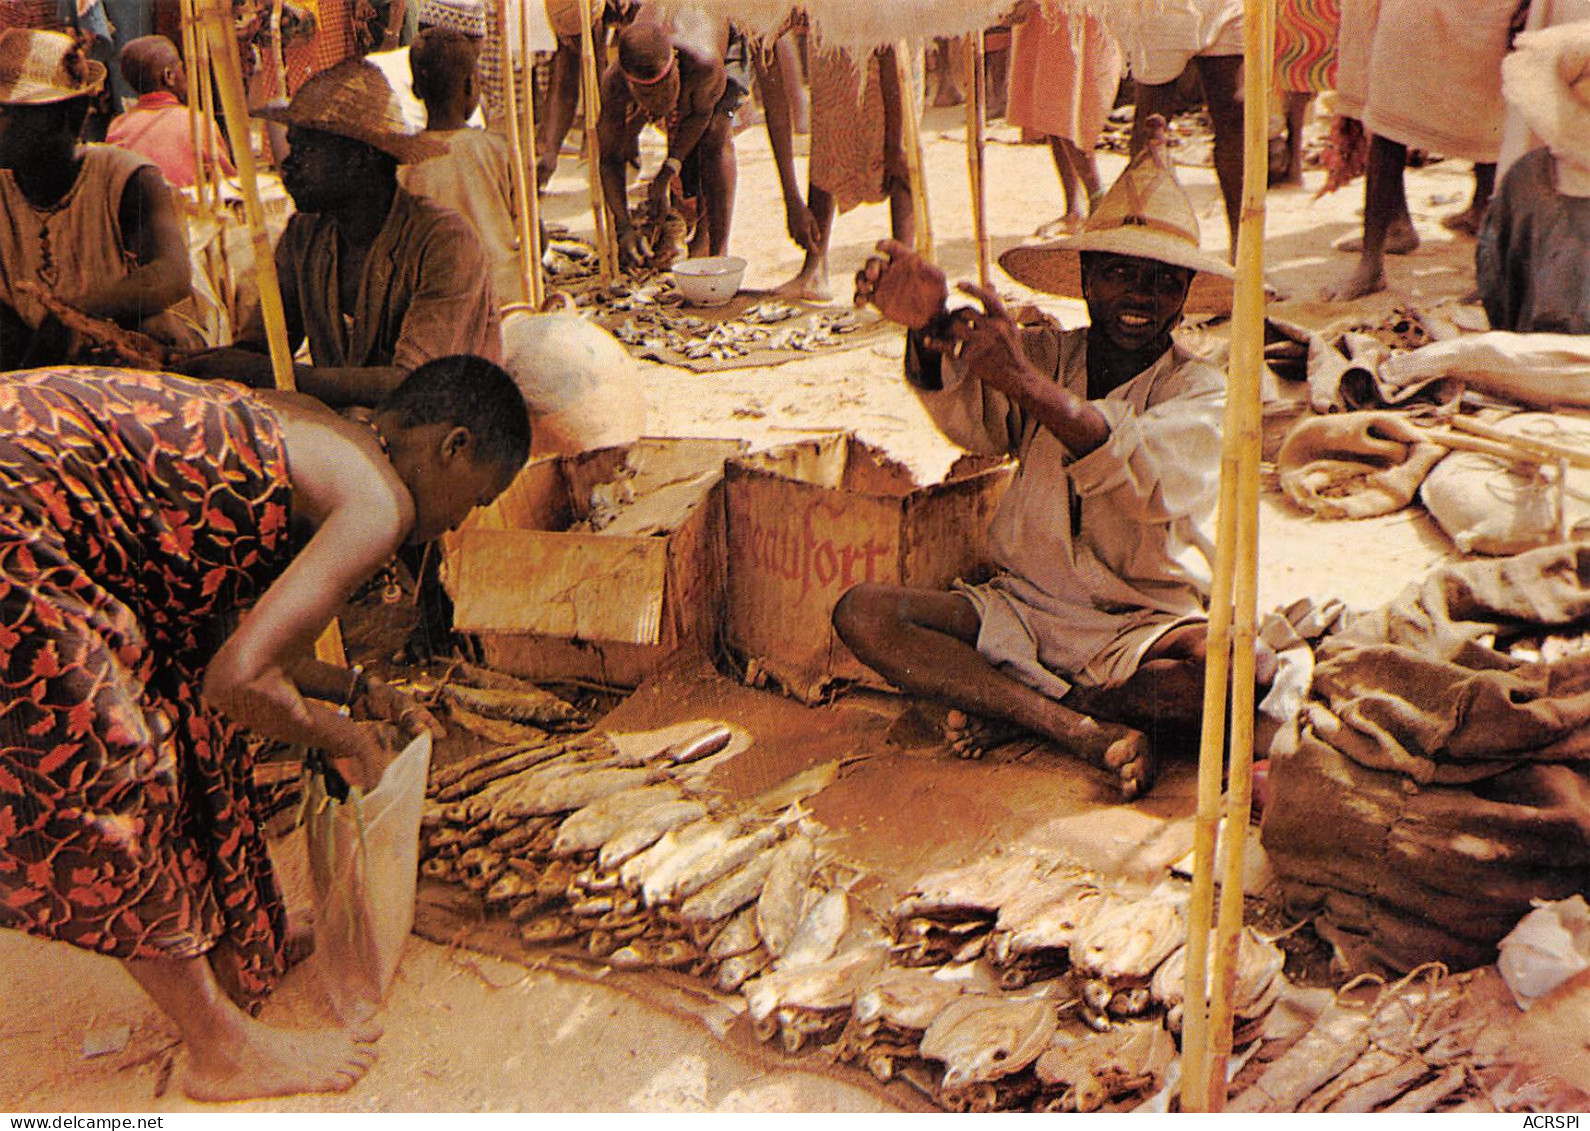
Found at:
(1550, 945)
(364, 867)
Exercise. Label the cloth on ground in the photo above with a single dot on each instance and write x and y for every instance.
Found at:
(1440, 783)
(1537, 370)
(1426, 73)
(1064, 71)
(425, 291)
(474, 177)
(1532, 263)
(1099, 556)
(138, 511)
(1356, 464)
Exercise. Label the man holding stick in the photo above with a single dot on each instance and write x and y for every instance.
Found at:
(1093, 632)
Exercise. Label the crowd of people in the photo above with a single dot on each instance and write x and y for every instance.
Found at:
(138, 509)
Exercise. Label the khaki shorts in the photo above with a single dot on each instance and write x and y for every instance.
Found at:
(1163, 44)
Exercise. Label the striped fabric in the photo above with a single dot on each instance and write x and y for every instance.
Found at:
(1305, 45)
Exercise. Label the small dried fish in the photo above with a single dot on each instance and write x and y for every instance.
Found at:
(725, 896)
(820, 929)
(980, 1038)
(659, 882)
(737, 937)
(518, 706)
(740, 968)
(646, 828)
(782, 903)
(587, 829)
(719, 863)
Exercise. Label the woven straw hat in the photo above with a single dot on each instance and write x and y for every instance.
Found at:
(354, 100)
(564, 15)
(1546, 79)
(1145, 214)
(40, 67)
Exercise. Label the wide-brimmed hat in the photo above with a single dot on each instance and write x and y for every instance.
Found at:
(40, 67)
(1147, 214)
(1546, 79)
(355, 100)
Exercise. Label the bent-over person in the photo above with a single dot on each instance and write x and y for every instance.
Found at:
(1092, 634)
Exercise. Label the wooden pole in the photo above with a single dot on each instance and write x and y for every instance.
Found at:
(911, 137)
(1244, 411)
(190, 59)
(591, 96)
(529, 268)
(533, 197)
(976, 123)
(217, 24)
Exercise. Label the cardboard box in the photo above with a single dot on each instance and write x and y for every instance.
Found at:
(809, 520)
(641, 580)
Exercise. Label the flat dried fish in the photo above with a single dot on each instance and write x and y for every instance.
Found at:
(905, 999)
(977, 889)
(818, 934)
(980, 1039)
(1124, 943)
(783, 899)
(525, 705)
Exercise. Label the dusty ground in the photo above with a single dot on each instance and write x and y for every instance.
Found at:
(470, 1033)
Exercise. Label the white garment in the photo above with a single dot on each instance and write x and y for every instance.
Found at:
(1099, 556)
(474, 177)
(1517, 138)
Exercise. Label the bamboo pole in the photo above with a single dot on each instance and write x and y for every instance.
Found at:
(911, 138)
(190, 62)
(591, 96)
(976, 123)
(529, 268)
(217, 24)
(1243, 389)
(531, 157)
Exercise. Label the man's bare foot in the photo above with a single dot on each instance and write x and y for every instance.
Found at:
(279, 1062)
(972, 736)
(1067, 225)
(1467, 222)
(1401, 239)
(948, 94)
(1366, 280)
(810, 286)
(1131, 759)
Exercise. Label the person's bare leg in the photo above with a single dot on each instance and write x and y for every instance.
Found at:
(231, 1056)
(896, 169)
(1468, 221)
(718, 175)
(788, 61)
(1079, 181)
(1220, 75)
(812, 281)
(1297, 104)
(950, 53)
(1385, 209)
(924, 642)
(563, 92)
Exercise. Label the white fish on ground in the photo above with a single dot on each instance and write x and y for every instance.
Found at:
(740, 968)
(819, 932)
(728, 894)
(646, 828)
(783, 900)
(1052, 925)
(908, 999)
(662, 873)
(593, 826)
(737, 937)
(578, 790)
(1126, 942)
(713, 865)
(981, 1039)
(826, 985)
(982, 887)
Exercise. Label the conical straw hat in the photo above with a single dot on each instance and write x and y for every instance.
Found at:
(354, 100)
(1147, 214)
(1546, 79)
(40, 67)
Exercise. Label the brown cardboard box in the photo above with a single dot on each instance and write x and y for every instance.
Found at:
(548, 603)
(809, 520)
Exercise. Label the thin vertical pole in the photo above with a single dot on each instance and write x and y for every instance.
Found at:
(976, 124)
(911, 137)
(591, 95)
(529, 265)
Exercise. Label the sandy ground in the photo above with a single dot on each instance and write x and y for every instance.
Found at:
(470, 1033)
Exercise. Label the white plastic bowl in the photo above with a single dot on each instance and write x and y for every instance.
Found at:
(710, 281)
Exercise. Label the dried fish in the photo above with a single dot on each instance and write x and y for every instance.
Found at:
(1337, 1039)
(826, 989)
(905, 1000)
(646, 828)
(975, 890)
(819, 932)
(1124, 943)
(719, 863)
(737, 937)
(725, 896)
(741, 968)
(598, 822)
(981, 1038)
(1259, 964)
(527, 705)
(659, 881)
(782, 902)
(1097, 1070)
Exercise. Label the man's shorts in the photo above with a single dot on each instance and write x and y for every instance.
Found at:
(1161, 46)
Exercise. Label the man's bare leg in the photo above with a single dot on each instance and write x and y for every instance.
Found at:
(718, 176)
(950, 54)
(788, 61)
(924, 642)
(231, 1056)
(1079, 181)
(1386, 218)
(1220, 74)
(812, 281)
(563, 92)
(1297, 104)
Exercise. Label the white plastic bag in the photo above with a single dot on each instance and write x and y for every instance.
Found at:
(1548, 946)
(364, 866)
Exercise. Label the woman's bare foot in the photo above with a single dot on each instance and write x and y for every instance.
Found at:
(811, 285)
(261, 1061)
(1467, 222)
(972, 736)
(1368, 279)
(1401, 239)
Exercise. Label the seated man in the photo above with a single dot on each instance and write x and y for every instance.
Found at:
(378, 280)
(686, 90)
(1099, 608)
(87, 227)
(1533, 259)
(158, 126)
(473, 175)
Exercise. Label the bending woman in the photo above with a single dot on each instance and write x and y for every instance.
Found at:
(138, 512)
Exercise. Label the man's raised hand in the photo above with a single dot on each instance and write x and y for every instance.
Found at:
(903, 286)
(989, 342)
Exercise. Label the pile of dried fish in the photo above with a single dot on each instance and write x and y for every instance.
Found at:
(653, 322)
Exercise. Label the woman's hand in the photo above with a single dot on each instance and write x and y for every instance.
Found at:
(384, 702)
